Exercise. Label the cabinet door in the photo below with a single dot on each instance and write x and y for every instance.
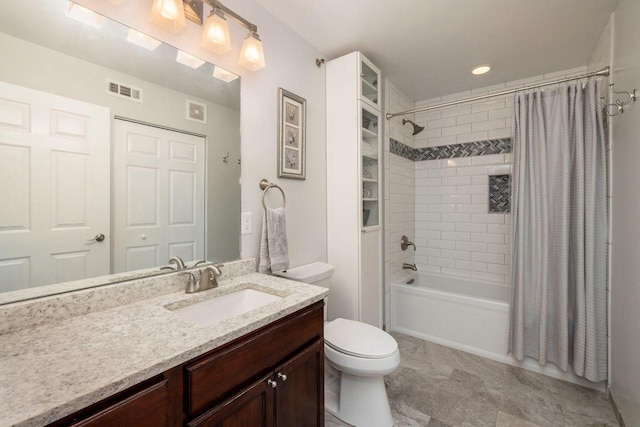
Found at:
(300, 390)
(369, 88)
(252, 407)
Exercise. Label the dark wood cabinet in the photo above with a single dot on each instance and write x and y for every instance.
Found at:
(292, 395)
(273, 376)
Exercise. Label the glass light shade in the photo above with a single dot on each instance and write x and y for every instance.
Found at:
(215, 36)
(252, 54)
(224, 75)
(114, 2)
(189, 60)
(142, 40)
(168, 15)
(84, 15)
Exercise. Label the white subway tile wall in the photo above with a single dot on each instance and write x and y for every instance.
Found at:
(399, 193)
(456, 236)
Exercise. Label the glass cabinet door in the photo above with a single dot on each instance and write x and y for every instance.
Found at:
(370, 165)
(369, 83)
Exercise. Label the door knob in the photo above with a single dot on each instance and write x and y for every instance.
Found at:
(272, 383)
(98, 238)
(282, 376)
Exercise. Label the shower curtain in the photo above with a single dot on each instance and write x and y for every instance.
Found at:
(559, 233)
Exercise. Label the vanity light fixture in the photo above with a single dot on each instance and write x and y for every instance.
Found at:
(170, 15)
(224, 75)
(189, 60)
(481, 69)
(84, 15)
(142, 40)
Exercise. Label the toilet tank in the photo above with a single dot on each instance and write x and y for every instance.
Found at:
(316, 273)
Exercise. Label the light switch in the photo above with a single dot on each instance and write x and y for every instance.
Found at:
(245, 223)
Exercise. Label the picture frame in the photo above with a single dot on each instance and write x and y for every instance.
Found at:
(292, 123)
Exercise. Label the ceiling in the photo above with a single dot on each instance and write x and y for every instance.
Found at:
(428, 47)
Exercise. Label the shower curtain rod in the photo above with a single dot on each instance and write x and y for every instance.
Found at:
(599, 73)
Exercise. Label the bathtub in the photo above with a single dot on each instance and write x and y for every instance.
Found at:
(469, 315)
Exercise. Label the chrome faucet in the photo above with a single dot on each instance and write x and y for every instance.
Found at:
(405, 243)
(208, 279)
(178, 263)
(407, 266)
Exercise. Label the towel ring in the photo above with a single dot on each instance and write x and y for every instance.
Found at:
(265, 186)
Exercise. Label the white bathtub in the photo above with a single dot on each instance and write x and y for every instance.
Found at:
(469, 315)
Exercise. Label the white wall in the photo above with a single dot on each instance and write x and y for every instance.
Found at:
(625, 268)
(290, 63)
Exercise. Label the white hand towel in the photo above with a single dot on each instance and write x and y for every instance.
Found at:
(274, 253)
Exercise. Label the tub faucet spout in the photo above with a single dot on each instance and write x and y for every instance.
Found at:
(407, 266)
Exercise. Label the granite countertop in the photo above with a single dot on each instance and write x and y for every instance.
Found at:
(57, 368)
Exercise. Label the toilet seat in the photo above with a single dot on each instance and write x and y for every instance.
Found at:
(359, 339)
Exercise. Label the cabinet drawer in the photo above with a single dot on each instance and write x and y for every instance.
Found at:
(223, 371)
(148, 407)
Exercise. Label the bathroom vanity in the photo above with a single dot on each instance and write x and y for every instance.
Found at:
(142, 364)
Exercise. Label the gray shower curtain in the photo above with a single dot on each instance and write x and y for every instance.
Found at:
(559, 234)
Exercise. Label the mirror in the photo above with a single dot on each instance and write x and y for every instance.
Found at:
(113, 158)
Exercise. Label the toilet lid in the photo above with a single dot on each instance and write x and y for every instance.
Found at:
(359, 339)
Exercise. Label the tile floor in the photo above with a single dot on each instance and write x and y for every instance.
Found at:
(439, 386)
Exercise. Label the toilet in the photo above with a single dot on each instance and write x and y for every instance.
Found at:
(357, 357)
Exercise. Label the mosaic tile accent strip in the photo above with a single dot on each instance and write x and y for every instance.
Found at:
(499, 193)
(469, 149)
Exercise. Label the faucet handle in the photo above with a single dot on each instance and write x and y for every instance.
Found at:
(193, 285)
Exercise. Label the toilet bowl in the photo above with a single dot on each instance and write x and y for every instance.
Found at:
(357, 357)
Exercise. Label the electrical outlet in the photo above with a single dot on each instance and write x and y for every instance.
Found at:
(245, 223)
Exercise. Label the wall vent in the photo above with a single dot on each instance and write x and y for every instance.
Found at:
(124, 91)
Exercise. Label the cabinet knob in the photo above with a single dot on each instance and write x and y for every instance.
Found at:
(282, 376)
(272, 383)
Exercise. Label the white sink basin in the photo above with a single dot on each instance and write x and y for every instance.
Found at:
(215, 310)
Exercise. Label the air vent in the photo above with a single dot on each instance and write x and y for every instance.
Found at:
(124, 91)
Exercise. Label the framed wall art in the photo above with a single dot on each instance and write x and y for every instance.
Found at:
(292, 119)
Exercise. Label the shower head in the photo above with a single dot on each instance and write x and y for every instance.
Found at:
(416, 129)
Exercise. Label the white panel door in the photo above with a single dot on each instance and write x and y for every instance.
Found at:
(158, 196)
(54, 188)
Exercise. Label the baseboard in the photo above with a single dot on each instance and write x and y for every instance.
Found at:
(616, 410)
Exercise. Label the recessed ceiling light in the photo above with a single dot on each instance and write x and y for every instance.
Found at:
(481, 69)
